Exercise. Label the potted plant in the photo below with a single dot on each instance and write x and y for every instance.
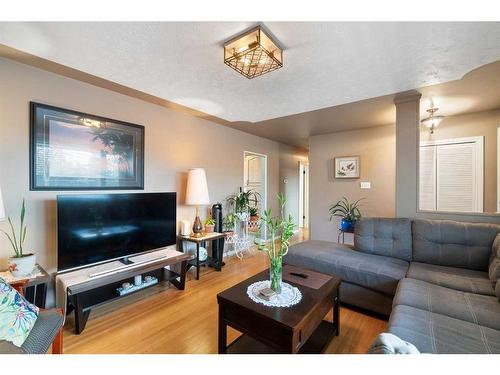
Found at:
(20, 264)
(240, 205)
(276, 226)
(209, 225)
(348, 212)
(244, 200)
(254, 214)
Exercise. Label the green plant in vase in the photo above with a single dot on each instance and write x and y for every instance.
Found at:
(277, 227)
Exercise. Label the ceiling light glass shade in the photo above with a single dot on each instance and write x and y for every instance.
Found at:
(432, 122)
(253, 53)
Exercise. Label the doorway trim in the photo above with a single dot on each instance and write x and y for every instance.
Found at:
(303, 194)
(245, 154)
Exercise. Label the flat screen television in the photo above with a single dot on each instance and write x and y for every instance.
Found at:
(93, 228)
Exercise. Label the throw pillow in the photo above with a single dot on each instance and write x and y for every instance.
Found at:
(17, 316)
(387, 343)
(494, 267)
(497, 290)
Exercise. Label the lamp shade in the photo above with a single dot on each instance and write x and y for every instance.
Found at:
(197, 189)
(2, 207)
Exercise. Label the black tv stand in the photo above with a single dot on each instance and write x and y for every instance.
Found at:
(83, 296)
(126, 261)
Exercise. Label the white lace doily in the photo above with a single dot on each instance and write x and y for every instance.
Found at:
(289, 295)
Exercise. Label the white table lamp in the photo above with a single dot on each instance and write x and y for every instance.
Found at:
(2, 207)
(197, 195)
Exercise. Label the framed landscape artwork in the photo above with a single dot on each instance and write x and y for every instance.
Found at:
(347, 167)
(76, 151)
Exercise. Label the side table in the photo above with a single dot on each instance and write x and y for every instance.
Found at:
(342, 234)
(35, 289)
(215, 261)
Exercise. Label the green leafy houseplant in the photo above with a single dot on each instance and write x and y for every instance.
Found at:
(20, 264)
(209, 221)
(244, 200)
(348, 211)
(276, 226)
(17, 241)
(254, 213)
(209, 225)
(228, 222)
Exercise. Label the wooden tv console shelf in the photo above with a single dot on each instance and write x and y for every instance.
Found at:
(93, 291)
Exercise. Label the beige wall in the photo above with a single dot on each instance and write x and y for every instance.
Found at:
(289, 172)
(470, 125)
(377, 150)
(174, 142)
(407, 138)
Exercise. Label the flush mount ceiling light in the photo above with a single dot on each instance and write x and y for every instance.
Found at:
(253, 53)
(432, 121)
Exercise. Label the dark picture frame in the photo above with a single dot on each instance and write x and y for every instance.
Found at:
(71, 150)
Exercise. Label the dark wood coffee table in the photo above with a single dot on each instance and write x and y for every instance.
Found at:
(296, 329)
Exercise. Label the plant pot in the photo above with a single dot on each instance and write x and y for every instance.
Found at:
(254, 218)
(22, 266)
(347, 226)
(209, 228)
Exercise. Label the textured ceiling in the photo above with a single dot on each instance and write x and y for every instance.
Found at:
(325, 64)
(478, 90)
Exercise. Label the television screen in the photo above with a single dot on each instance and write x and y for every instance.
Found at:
(94, 228)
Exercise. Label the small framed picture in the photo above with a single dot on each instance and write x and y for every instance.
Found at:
(347, 167)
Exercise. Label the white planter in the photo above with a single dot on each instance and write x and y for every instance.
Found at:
(22, 266)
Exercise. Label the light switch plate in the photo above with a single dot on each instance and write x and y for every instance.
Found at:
(365, 185)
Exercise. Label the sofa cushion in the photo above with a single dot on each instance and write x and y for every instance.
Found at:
(435, 333)
(371, 271)
(473, 308)
(451, 277)
(454, 244)
(494, 267)
(497, 290)
(382, 236)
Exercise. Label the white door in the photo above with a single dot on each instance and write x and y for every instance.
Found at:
(255, 179)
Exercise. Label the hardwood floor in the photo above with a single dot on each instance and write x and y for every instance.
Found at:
(163, 319)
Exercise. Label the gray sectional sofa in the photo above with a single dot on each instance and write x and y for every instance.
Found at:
(438, 280)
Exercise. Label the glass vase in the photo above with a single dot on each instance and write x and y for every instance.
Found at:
(275, 274)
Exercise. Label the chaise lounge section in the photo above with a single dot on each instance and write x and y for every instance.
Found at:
(435, 278)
